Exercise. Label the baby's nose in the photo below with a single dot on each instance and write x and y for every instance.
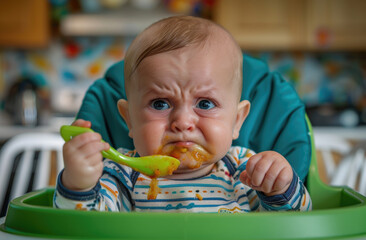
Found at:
(183, 120)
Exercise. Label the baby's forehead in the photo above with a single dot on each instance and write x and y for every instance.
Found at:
(188, 65)
(217, 39)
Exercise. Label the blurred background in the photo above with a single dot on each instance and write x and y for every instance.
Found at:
(51, 51)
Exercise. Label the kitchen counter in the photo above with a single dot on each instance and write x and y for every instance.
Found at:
(8, 130)
(355, 133)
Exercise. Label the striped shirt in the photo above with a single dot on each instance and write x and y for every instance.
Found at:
(122, 189)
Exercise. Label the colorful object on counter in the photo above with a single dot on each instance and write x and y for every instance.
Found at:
(202, 8)
(115, 51)
(72, 50)
(180, 6)
(40, 62)
(323, 37)
(153, 166)
(95, 68)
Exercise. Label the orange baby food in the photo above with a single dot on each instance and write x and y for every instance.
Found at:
(199, 197)
(200, 157)
(183, 149)
(194, 155)
(79, 206)
(154, 189)
(156, 173)
(172, 168)
(177, 152)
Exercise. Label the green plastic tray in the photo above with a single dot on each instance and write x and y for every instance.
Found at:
(338, 213)
(33, 215)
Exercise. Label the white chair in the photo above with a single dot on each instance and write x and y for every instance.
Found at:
(28, 161)
(328, 145)
(351, 170)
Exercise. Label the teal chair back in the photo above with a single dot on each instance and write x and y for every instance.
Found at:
(276, 120)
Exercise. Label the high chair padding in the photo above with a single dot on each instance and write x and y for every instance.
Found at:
(276, 120)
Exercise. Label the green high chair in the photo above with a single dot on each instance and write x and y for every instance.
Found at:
(277, 121)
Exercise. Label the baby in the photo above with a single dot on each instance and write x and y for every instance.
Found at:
(183, 81)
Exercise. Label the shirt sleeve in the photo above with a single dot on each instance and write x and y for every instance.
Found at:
(296, 197)
(111, 193)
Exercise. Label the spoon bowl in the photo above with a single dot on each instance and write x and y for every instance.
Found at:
(152, 166)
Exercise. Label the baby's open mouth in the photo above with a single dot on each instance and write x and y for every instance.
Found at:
(190, 154)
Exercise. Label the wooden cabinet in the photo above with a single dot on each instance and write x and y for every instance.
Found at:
(263, 24)
(295, 24)
(336, 24)
(24, 23)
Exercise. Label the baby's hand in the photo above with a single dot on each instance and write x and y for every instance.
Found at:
(268, 172)
(83, 159)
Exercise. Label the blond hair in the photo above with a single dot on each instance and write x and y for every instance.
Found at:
(171, 34)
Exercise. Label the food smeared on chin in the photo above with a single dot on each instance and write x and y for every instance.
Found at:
(193, 156)
(199, 156)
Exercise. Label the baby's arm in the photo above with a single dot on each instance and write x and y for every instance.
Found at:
(83, 159)
(277, 185)
(109, 194)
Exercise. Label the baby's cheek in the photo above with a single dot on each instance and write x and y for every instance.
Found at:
(148, 140)
(218, 137)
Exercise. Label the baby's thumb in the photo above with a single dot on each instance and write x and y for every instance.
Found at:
(82, 123)
(244, 178)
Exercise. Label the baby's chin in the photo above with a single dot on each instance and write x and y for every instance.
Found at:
(189, 173)
(184, 168)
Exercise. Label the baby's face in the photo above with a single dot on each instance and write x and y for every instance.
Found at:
(185, 104)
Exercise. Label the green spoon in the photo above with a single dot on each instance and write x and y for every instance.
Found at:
(153, 166)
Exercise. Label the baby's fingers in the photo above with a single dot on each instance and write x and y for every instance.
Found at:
(270, 178)
(84, 145)
(244, 178)
(252, 161)
(82, 139)
(283, 181)
(93, 148)
(259, 171)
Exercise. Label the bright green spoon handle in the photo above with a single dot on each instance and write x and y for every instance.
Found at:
(68, 132)
(153, 166)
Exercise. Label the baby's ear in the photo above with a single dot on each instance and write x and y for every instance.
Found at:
(241, 115)
(122, 105)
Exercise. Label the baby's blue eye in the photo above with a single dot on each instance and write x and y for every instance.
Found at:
(160, 104)
(205, 104)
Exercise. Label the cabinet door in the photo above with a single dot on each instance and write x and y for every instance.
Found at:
(24, 23)
(264, 24)
(337, 24)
